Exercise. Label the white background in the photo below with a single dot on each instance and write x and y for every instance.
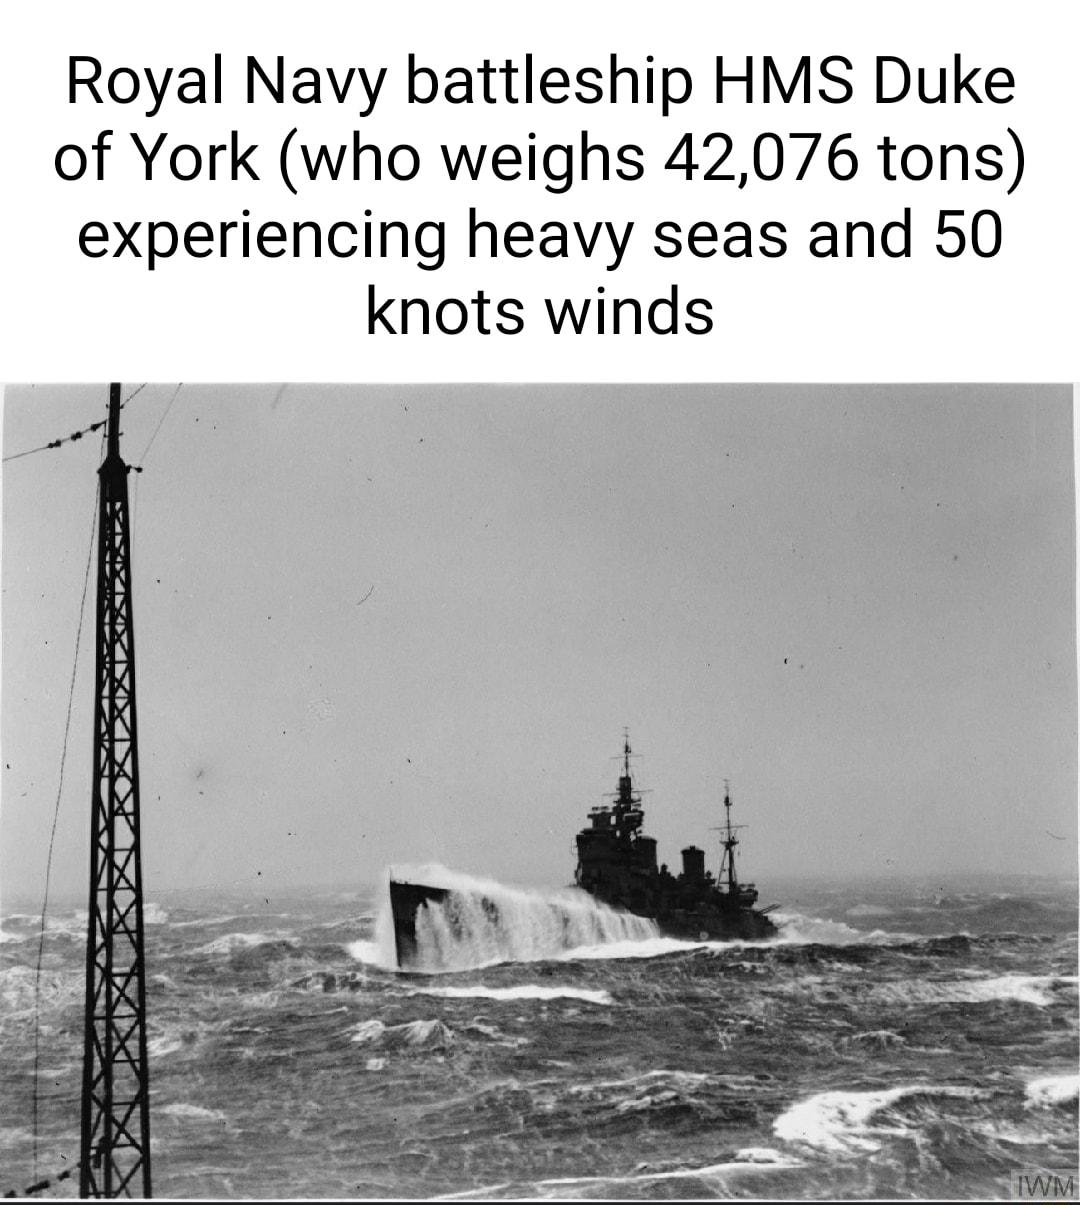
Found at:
(1012, 317)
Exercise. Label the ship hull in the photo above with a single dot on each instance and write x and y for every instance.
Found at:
(705, 920)
(691, 926)
(406, 900)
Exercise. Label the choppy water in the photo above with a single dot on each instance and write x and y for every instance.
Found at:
(894, 1041)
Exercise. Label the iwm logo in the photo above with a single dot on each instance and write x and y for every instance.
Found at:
(1040, 1185)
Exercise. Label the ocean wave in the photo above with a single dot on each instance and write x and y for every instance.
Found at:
(747, 1160)
(874, 1039)
(207, 922)
(189, 1112)
(524, 991)
(1052, 1090)
(19, 995)
(644, 1093)
(430, 1034)
(231, 942)
(1039, 990)
(760, 1159)
(160, 1046)
(681, 1079)
(494, 1035)
(841, 1121)
(797, 929)
(331, 981)
(72, 924)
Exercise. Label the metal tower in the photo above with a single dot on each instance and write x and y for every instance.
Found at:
(115, 1148)
(728, 843)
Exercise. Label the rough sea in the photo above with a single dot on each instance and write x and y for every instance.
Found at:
(913, 1040)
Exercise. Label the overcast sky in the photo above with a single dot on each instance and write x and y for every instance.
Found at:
(402, 624)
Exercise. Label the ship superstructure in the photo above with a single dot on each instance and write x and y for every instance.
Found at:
(617, 864)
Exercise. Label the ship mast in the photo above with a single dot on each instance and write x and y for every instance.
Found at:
(115, 1146)
(627, 809)
(729, 841)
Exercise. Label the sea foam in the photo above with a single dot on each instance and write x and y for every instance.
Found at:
(841, 1120)
(523, 991)
(189, 1112)
(750, 1159)
(1052, 1090)
(231, 942)
(429, 1034)
(759, 1159)
(1026, 989)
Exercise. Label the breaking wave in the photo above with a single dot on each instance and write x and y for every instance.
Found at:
(649, 947)
(189, 1112)
(429, 1035)
(1052, 1090)
(754, 1159)
(1027, 989)
(72, 925)
(231, 942)
(524, 991)
(20, 997)
(796, 929)
(747, 1160)
(842, 1121)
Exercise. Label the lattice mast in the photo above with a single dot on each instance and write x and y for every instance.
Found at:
(115, 1148)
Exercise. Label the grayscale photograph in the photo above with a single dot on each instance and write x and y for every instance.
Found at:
(490, 792)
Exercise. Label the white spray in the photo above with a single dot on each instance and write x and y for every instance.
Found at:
(481, 922)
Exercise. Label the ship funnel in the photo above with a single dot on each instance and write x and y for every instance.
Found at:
(693, 863)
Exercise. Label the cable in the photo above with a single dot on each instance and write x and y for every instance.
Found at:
(56, 443)
(76, 435)
(133, 394)
(41, 1185)
(161, 421)
(52, 833)
(138, 467)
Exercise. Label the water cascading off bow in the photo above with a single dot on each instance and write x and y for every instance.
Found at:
(475, 922)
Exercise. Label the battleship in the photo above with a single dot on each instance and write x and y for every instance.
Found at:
(617, 866)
